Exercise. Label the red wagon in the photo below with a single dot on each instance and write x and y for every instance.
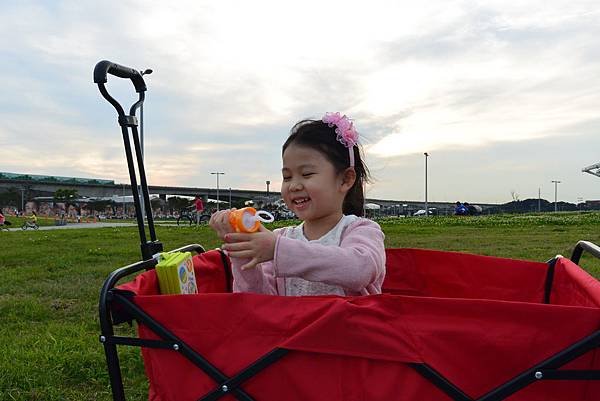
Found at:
(449, 326)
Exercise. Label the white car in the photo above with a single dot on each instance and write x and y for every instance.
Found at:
(422, 212)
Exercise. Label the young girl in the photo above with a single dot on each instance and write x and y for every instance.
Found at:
(333, 251)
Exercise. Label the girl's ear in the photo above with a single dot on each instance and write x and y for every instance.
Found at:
(348, 179)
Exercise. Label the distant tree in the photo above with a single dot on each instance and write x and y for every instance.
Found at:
(100, 205)
(177, 203)
(65, 195)
(10, 198)
(531, 205)
(514, 195)
(156, 203)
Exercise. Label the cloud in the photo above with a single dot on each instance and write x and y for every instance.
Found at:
(485, 77)
(231, 78)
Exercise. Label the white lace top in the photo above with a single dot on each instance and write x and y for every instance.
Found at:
(299, 286)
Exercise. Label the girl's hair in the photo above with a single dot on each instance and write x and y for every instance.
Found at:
(317, 135)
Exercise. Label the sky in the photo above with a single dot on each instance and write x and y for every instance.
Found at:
(504, 96)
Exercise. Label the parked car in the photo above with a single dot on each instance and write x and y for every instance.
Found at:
(421, 212)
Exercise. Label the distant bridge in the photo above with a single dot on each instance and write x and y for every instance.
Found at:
(34, 188)
(97, 189)
(32, 185)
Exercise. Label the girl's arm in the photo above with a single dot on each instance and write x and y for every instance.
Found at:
(260, 279)
(356, 264)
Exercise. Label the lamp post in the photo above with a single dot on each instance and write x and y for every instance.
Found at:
(426, 203)
(145, 72)
(217, 173)
(555, 194)
(22, 200)
(268, 183)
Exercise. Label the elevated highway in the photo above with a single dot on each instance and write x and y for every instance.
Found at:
(90, 189)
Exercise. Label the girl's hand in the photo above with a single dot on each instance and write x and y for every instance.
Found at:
(258, 247)
(219, 221)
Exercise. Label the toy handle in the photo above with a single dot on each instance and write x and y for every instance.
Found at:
(270, 218)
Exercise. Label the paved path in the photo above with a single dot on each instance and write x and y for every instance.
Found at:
(95, 225)
(79, 225)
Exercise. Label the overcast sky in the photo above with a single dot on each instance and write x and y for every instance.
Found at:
(504, 95)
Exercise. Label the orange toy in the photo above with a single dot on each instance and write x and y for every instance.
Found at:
(247, 220)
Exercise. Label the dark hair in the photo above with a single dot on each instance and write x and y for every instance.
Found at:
(316, 134)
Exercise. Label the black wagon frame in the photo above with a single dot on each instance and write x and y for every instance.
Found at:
(117, 306)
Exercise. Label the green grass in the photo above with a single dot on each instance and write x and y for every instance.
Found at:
(19, 221)
(49, 347)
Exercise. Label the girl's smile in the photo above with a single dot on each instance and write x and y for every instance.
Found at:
(301, 203)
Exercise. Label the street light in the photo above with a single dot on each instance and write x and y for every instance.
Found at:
(555, 194)
(218, 173)
(268, 182)
(22, 200)
(145, 72)
(426, 203)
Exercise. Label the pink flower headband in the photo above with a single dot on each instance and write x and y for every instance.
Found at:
(346, 134)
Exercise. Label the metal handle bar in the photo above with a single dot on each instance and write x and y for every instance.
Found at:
(101, 70)
(584, 246)
(105, 67)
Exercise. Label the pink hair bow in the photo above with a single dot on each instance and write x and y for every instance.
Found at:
(346, 134)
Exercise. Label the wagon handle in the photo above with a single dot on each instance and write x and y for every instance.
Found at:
(105, 67)
(584, 246)
(101, 71)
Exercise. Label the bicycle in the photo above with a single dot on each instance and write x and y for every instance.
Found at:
(189, 217)
(30, 224)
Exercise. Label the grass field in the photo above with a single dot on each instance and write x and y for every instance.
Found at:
(49, 347)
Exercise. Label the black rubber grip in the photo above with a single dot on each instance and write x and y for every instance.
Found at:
(105, 67)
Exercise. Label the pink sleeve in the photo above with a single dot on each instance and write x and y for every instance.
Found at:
(358, 264)
(259, 280)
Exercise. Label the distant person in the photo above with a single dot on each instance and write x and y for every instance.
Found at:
(199, 205)
(460, 209)
(335, 251)
(471, 210)
(3, 221)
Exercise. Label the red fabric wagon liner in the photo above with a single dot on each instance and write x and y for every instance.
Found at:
(478, 321)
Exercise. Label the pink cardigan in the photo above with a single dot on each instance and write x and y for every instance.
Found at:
(357, 264)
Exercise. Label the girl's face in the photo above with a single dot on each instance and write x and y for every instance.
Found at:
(311, 188)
